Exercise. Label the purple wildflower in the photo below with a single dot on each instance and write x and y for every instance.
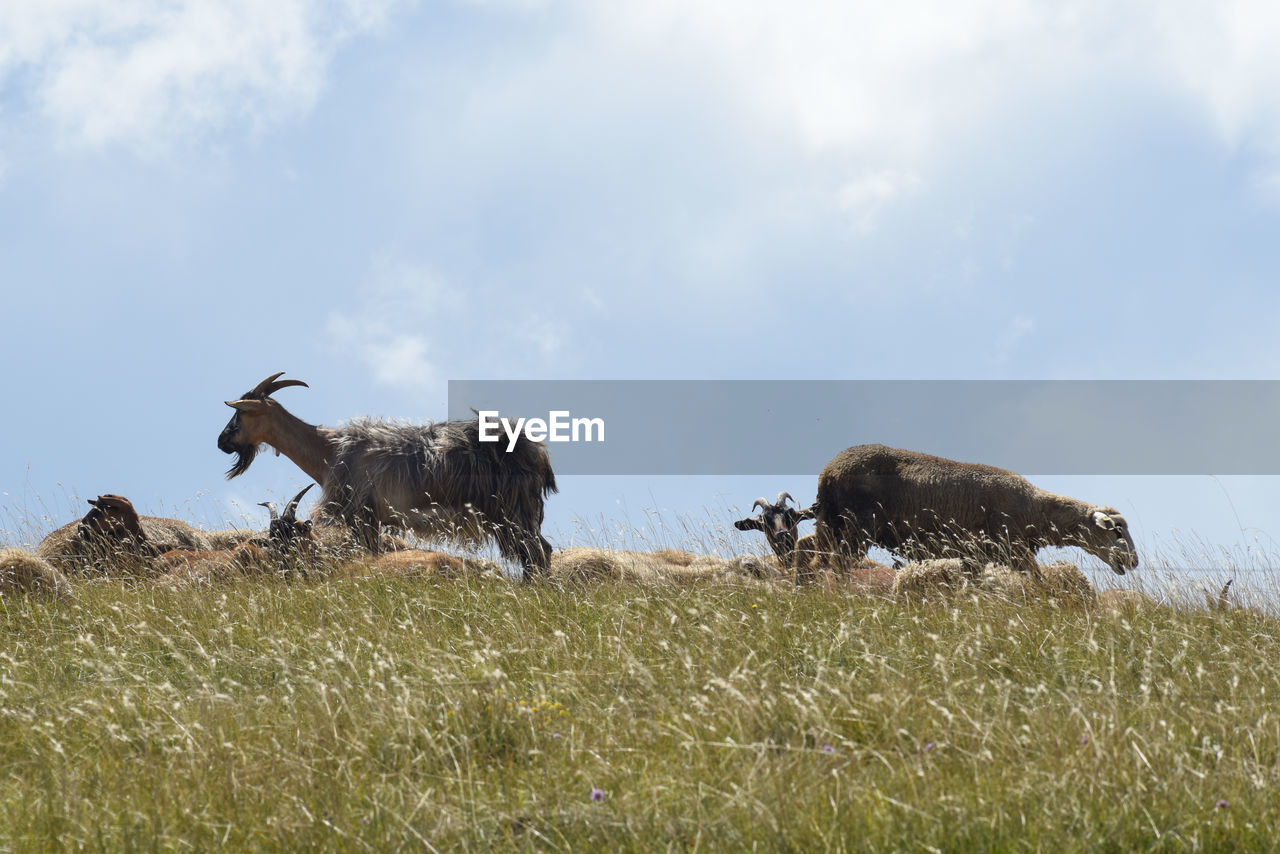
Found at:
(1084, 739)
(1222, 804)
(597, 795)
(826, 748)
(929, 745)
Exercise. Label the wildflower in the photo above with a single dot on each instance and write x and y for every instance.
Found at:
(1084, 739)
(597, 795)
(1222, 804)
(929, 745)
(556, 735)
(826, 748)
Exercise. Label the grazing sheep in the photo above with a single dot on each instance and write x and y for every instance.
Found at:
(780, 524)
(438, 480)
(113, 539)
(920, 506)
(23, 573)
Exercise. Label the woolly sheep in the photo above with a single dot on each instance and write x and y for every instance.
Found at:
(24, 573)
(921, 506)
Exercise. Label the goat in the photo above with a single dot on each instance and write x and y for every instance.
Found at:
(436, 479)
(921, 507)
(113, 537)
(780, 524)
(289, 545)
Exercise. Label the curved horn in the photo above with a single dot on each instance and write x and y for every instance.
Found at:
(291, 509)
(783, 497)
(270, 505)
(760, 502)
(272, 384)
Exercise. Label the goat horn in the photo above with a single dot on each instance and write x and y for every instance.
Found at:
(760, 502)
(291, 509)
(272, 384)
(270, 505)
(784, 496)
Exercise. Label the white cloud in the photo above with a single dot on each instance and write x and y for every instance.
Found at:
(868, 95)
(146, 72)
(863, 199)
(414, 330)
(398, 301)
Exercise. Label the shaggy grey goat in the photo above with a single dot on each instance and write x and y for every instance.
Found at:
(438, 480)
(920, 506)
(780, 524)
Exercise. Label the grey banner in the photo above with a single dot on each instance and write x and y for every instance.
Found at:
(764, 427)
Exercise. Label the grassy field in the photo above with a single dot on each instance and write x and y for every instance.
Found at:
(476, 713)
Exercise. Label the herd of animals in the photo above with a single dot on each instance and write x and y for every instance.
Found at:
(439, 481)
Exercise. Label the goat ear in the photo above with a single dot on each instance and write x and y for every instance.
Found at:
(806, 513)
(245, 405)
(752, 524)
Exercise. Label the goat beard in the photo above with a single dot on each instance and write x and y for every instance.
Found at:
(244, 458)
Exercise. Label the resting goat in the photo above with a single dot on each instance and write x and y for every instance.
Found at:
(438, 480)
(289, 546)
(920, 506)
(113, 538)
(780, 524)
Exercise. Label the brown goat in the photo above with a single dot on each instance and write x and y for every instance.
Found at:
(438, 480)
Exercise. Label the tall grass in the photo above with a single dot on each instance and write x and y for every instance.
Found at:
(355, 713)
(477, 713)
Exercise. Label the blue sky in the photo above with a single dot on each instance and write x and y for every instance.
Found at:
(378, 196)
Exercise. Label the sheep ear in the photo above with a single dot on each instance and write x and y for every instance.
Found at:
(1103, 521)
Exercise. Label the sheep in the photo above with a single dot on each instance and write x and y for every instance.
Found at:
(417, 563)
(585, 564)
(23, 573)
(436, 479)
(920, 506)
(780, 524)
(1125, 602)
(939, 578)
(113, 538)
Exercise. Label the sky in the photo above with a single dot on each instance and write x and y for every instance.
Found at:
(378, 196)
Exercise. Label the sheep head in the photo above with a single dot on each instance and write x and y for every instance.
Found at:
(111, 517)
(780, 524)
(1106, 535)
(252, 425)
